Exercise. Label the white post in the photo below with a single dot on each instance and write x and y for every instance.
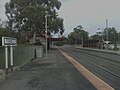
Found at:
(6, 59)
(11, 57)
(46, 32)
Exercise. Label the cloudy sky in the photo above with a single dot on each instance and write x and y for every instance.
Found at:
(2, 9)
(91, 14)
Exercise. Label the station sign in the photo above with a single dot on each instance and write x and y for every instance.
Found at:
(7, 41)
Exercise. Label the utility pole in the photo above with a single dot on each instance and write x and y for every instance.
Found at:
(46, 31)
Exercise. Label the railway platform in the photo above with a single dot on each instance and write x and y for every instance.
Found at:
(52, 73)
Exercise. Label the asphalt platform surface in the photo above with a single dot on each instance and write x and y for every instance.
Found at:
(53, 73)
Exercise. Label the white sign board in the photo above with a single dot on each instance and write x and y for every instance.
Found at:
(9, 41)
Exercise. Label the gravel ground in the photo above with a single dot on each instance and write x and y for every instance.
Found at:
(54, 73)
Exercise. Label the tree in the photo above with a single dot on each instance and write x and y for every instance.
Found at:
(0, 23)
(95, 37)
(72, 38)
(78, 35)
(112, 35)
(111, 32)
(29, 15)
(119, 38)
(6, 33)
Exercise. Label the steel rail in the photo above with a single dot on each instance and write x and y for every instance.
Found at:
(69, 52)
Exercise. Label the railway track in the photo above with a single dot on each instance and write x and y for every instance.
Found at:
(102, 67)
(105, 63)
(108, 56)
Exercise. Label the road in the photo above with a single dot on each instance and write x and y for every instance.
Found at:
(104, 70)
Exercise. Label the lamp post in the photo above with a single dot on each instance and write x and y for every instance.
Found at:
(46, 21)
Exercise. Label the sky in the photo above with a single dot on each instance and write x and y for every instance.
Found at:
(2, 9)
(91, 14)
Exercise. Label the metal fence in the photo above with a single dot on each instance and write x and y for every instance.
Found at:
(2, 57)
(21, 55)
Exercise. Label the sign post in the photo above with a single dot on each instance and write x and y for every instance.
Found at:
(8, 41)
(6, 59)
(11, 58)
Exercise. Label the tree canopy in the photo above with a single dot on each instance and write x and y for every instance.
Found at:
(78, 35)
(111, 33)
(29, 15)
